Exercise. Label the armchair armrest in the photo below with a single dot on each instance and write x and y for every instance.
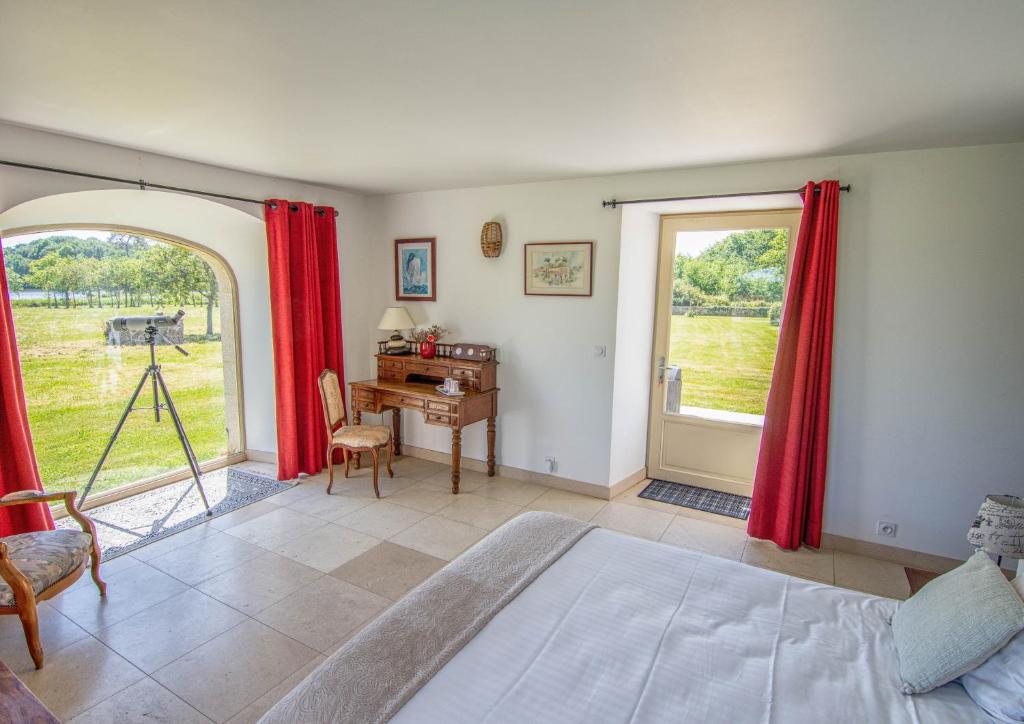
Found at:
(20, 497)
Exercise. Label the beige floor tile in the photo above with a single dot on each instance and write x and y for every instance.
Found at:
(574, 505)
(205, 558)
(422, 496)
(128, 592)
(55, 632)
(165, 545)
(259, 582)
(633, 520)
(389, 570)
(252, 713)
(143, 701)
(381, 519)
(226, 674)
(160, 634)
(326, 547)
(727, 521)
(362, 486)
(510, 491)
(297, 492)
(329, 507)
(816, 565)
(323, 614)
(705, 537)
(469, 480)
(416, 468)
(476, 510)
(881, 578)
(107, 569)
(79, 676)
(274, 527)
(439, 537)
(245, 513)
(631, 497)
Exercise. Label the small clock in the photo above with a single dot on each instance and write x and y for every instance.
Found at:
(472, 351)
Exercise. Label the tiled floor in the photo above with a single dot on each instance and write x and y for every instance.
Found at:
(220, 621)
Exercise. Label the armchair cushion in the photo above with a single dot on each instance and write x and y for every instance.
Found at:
(362, 435)
(44, 558)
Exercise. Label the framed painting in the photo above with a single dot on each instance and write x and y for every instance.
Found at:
(559, 269)
(415, 270)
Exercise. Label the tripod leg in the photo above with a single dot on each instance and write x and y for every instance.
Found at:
(185, 444)
(117, 431)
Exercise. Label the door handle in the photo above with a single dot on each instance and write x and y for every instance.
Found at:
(661, 370)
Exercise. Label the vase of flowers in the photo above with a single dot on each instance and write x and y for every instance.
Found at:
(428, 338)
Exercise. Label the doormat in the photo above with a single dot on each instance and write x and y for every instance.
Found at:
(128, 524)
(689, 496)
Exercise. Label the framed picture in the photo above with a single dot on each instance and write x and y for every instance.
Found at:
(415, 270)
(559, 269)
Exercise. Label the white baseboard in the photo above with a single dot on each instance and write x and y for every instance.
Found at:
(903, 556)
(627, 482)
(506, 471)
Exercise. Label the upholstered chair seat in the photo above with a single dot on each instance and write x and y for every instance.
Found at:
(362, 435)
(45, 557)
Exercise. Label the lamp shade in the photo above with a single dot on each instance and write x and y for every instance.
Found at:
(396, 318)
(999, 527)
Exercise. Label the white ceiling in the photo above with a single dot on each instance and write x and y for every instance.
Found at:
(399, 95)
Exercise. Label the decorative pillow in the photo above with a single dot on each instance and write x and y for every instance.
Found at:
(997, 686)
(955, 623)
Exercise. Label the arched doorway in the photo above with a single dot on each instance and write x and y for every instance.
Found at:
(157, 217)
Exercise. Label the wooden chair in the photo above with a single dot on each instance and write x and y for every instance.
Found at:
(351, 439)
(38, 565)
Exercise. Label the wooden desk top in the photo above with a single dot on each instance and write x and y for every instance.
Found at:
(420, 389)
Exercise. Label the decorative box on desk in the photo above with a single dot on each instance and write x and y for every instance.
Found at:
(409, 382)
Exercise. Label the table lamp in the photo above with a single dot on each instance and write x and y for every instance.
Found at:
(396, 318)
(999, 527)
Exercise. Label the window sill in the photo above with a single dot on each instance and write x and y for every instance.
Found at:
(699, 414)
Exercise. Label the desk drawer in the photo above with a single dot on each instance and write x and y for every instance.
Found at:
(439, 418)
(389, 375)
(444, 407)
(390, 364)
(398, 400)
(424, 368)
(364, 405)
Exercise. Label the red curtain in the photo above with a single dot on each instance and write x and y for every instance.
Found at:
(18, 469)
(305, 305)
(789, 486)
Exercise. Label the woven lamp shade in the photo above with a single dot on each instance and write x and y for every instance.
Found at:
(490, 239)
(999, 527)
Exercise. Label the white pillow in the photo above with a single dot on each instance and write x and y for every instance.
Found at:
(997, 686)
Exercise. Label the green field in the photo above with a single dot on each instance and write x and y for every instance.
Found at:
(726, 362)
(76, 388)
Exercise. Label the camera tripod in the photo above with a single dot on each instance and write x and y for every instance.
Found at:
(153, 374)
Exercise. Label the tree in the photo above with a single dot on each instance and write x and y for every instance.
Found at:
(181, 274)
(15, 282)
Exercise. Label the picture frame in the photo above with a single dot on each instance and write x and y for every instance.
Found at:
(416, 270)
(558, 268)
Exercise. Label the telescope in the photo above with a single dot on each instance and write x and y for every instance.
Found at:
(141, 324)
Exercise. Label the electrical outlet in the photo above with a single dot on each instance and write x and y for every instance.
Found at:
(551, 464)
(886, 529)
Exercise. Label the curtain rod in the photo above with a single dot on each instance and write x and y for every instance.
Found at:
(143, 184)
(613, 203)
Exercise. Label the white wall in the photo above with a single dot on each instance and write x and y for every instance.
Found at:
(927, 390)
(234, 230)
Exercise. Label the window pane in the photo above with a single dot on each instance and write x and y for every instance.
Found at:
(726, 304)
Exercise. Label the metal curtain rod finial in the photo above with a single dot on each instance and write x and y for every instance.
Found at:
(615, 202)
(141, 183)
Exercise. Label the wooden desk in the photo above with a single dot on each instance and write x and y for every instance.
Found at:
(407, 382)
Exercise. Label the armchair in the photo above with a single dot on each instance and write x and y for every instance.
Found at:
(37, 566)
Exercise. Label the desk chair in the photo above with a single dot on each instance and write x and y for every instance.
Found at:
(351, 439)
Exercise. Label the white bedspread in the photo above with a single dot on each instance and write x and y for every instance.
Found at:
(625, 630)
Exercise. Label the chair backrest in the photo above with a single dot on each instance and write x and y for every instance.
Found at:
(333, 401)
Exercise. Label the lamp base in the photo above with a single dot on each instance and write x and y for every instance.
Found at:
(396, 345)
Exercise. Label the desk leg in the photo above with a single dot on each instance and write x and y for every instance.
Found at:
(357, 417)
(396, 427)
(456, 459)
(490, 447)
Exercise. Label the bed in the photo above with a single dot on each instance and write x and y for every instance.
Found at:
(549, 619)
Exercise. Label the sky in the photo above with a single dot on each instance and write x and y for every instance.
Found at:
(692, 243)
(80, 233)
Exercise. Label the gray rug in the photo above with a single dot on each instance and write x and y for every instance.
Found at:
(131, 523)
(690, 496)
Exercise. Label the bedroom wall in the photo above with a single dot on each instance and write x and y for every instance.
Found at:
(250, 264)
(927, 387)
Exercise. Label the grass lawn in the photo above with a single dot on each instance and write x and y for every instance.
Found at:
(726, 362)
(77, 387)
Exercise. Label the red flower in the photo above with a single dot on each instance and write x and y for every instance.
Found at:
(431, 338)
